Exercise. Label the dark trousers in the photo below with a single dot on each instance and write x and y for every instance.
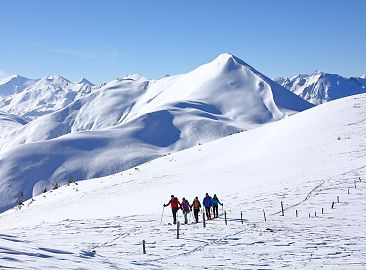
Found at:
(174, 211)
(196, 212)
(215, 210)
(208, 212)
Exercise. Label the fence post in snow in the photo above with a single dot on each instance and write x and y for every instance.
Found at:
(204, 220)
(315, 213)
(322, 210)
(309, 215)
(332, 205)
(225, 218)
(178, 230)
(348, 191)
(143, 247)
(337, 199)
(283, 212)
(355, 184)
(359, 179)
(264, 214)
(241, 217)
(297, 214)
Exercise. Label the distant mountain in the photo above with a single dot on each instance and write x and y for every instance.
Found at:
(14, 84)
(132, 120)
(84, 81)
(44, 96)
(322, 87)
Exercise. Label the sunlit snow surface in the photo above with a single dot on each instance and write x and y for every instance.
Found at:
(306, 161)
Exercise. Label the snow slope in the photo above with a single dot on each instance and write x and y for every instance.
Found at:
(130, 121)
(44, 96)
(14, 84)
(304, 163)
(9, 122)
(322, 87)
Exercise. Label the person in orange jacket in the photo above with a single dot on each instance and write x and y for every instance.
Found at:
(175, 204)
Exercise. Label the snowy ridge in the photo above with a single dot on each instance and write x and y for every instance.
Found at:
(322, 87)
(9, 122)
(302, 162)
(130, 121)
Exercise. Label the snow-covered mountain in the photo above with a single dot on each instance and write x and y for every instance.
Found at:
(322, 87)
(132, 120)
(14, 84)
(44, 96)
(316, 168)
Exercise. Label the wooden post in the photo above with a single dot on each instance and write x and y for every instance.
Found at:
(241, 217)
(178, 229)
(143, 247)
(332, 205)
(355, 184)
(309, 215)
(359, 179)
(315, 213)
(264, 214)
(348, 191)
(283, 213)
(337, 199)
(204, 220)
(297, 214)
(322, 210)
(225, 218)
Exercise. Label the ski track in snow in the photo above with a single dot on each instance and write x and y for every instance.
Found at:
(335, 239)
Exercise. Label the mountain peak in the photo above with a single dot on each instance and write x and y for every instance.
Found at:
(85, 81)
(55, 77)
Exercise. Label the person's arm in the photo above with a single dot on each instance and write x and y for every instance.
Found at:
(165, 205)
(219, 202)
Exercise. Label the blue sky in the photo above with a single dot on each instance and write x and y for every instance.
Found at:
(103, 40)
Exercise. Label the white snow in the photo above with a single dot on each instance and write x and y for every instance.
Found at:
(44, 96)
(306, 164)
(14, 84)
(132, 120)
(322, 87)
(9, 122)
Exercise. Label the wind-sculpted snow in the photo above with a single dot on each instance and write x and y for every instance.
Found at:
(132, 120)
(322, 87)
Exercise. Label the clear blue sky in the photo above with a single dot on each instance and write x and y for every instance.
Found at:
(103, 40)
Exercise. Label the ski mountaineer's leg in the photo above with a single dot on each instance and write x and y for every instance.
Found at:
(216, 211)
(196, 211)
(185, 218)
(174, 211)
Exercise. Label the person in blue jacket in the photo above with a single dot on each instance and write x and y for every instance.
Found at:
(215, 206)
(207, 203)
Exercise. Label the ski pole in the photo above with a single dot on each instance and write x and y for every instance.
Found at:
(161, 220)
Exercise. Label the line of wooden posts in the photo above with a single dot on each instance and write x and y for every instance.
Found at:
(242, 220)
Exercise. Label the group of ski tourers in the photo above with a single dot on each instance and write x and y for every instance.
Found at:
(186, 207)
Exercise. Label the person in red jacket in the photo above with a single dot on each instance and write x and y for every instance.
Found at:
(175, 204)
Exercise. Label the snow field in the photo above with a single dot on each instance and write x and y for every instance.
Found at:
(305, 161)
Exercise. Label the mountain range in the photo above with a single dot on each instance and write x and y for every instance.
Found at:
(132, 120)
(321, 87)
